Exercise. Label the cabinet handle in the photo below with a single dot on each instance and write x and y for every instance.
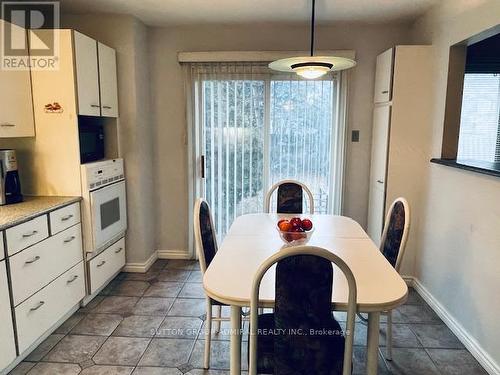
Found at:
(32, 260)
(95, 106)
(69, 239)
(385, 92)
(380, 181)
(8, 125)
(26, 235)
(106, 107)
(119, 250)
(72, 279)
(66, 218)
(40, 304)
(101, 264)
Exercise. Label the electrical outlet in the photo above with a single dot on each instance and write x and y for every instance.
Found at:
(355, 136)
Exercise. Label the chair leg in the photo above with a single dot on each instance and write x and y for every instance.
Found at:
(388, 354)
(217, 323)
(208, 335)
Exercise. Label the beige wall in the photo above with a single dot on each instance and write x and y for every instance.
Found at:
(129, 37)
(458, 260)
(168, 104)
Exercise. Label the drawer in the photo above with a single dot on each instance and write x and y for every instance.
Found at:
(38, 265)
(106, 264)
(41, 311)
(7, 343)
(23, 235)
(64, 218)
(2, 250)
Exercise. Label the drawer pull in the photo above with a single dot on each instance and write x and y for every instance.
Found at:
(95, 106)
(106, 107)
(27, 235)
(380, 181)
(72, 279)
(119, 250)
(69, 239)
(67, 217)
(101, 264)
(385, 92)
(32, 260)
(8, 125)
(40, 304)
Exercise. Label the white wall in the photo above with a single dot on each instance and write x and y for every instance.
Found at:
(168, 104)
(458, 260)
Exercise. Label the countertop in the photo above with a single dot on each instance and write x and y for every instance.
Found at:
(32, 207)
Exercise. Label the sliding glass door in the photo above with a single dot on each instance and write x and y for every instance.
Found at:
(256, 131)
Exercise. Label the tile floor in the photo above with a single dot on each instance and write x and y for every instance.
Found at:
(149, 324)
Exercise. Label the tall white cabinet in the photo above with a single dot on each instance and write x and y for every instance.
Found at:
(401, 130)
(7, 343)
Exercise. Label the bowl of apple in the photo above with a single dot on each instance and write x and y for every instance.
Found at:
(295, 231)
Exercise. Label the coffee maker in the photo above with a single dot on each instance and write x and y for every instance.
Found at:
(10, 185)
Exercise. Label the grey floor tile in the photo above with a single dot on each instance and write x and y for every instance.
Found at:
(402, 336)
(414, 298)
(407, 361)
(138, 326)
(69, 324)
(55, 368)
(195, 277)
(156, 371)
(198, 371)
(116, 304)
(416, 314)
(167, 353)
(91, 305)
(173, 275)
(456, 362)
(180, 327)
(130, 288)
(107, 370)
(159, 264)
(188, 307)
(192, 290)
(436, 336)
(97, 324)
(122, 351)
(153, 306)
(225, 331)
(75, 349)
(182, 264)
(359, 362)
(45, 347)
(164, 289)
(22, 368)
(137, 276)
(219, 359)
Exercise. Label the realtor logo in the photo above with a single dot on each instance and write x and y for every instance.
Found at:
(30, 38)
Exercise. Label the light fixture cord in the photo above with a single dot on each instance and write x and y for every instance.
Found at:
(312, 26)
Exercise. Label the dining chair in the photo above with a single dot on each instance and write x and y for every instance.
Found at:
(392, 246)
(304, 337)
(290, 197)
(206, 248)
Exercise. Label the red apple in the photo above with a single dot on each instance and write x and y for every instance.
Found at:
(307, 224)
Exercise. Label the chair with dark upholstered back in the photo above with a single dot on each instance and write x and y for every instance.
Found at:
(290, 197)
(306, 337)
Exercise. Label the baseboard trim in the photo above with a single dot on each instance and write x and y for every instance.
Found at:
(408, 280)
(467, 340)
(174, 254)
(141, 267)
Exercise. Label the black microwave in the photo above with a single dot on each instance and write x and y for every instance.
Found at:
(91, 141)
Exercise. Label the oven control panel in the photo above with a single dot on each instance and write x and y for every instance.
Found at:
(102, 173)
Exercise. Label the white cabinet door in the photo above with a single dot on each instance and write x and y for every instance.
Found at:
(7, 344)
(107, 81)
(383, 77)
(87, 75)
(16, 103)
(380, 147)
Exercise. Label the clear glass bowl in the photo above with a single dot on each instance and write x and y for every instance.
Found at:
(295, 238)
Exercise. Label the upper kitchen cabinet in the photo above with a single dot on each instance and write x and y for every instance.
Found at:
(87, 75)
(383, 77)
(107, 80)
(16, 106)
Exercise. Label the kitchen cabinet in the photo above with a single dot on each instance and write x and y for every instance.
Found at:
(7, 343)
(16, 104)
(107, 80)
(383, 77)
(87, 75)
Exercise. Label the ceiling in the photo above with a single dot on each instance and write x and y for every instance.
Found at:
(181, 12)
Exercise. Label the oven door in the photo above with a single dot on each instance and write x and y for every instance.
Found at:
(109, 213)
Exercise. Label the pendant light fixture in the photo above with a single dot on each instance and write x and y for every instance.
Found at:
(311, 67)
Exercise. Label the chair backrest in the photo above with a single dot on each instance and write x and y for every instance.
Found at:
(204, 233)
(304, 278)
(290, 197)
(395, 234)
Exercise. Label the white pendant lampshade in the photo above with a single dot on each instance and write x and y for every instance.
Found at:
(311, 67)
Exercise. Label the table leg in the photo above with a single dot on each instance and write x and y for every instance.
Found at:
(235, 359)
(372, 343)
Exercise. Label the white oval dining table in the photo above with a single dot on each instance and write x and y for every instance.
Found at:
(253, 238)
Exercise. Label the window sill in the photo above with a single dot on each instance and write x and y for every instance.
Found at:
(491, 169)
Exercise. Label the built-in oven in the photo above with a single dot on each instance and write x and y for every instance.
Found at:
(105, 200)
